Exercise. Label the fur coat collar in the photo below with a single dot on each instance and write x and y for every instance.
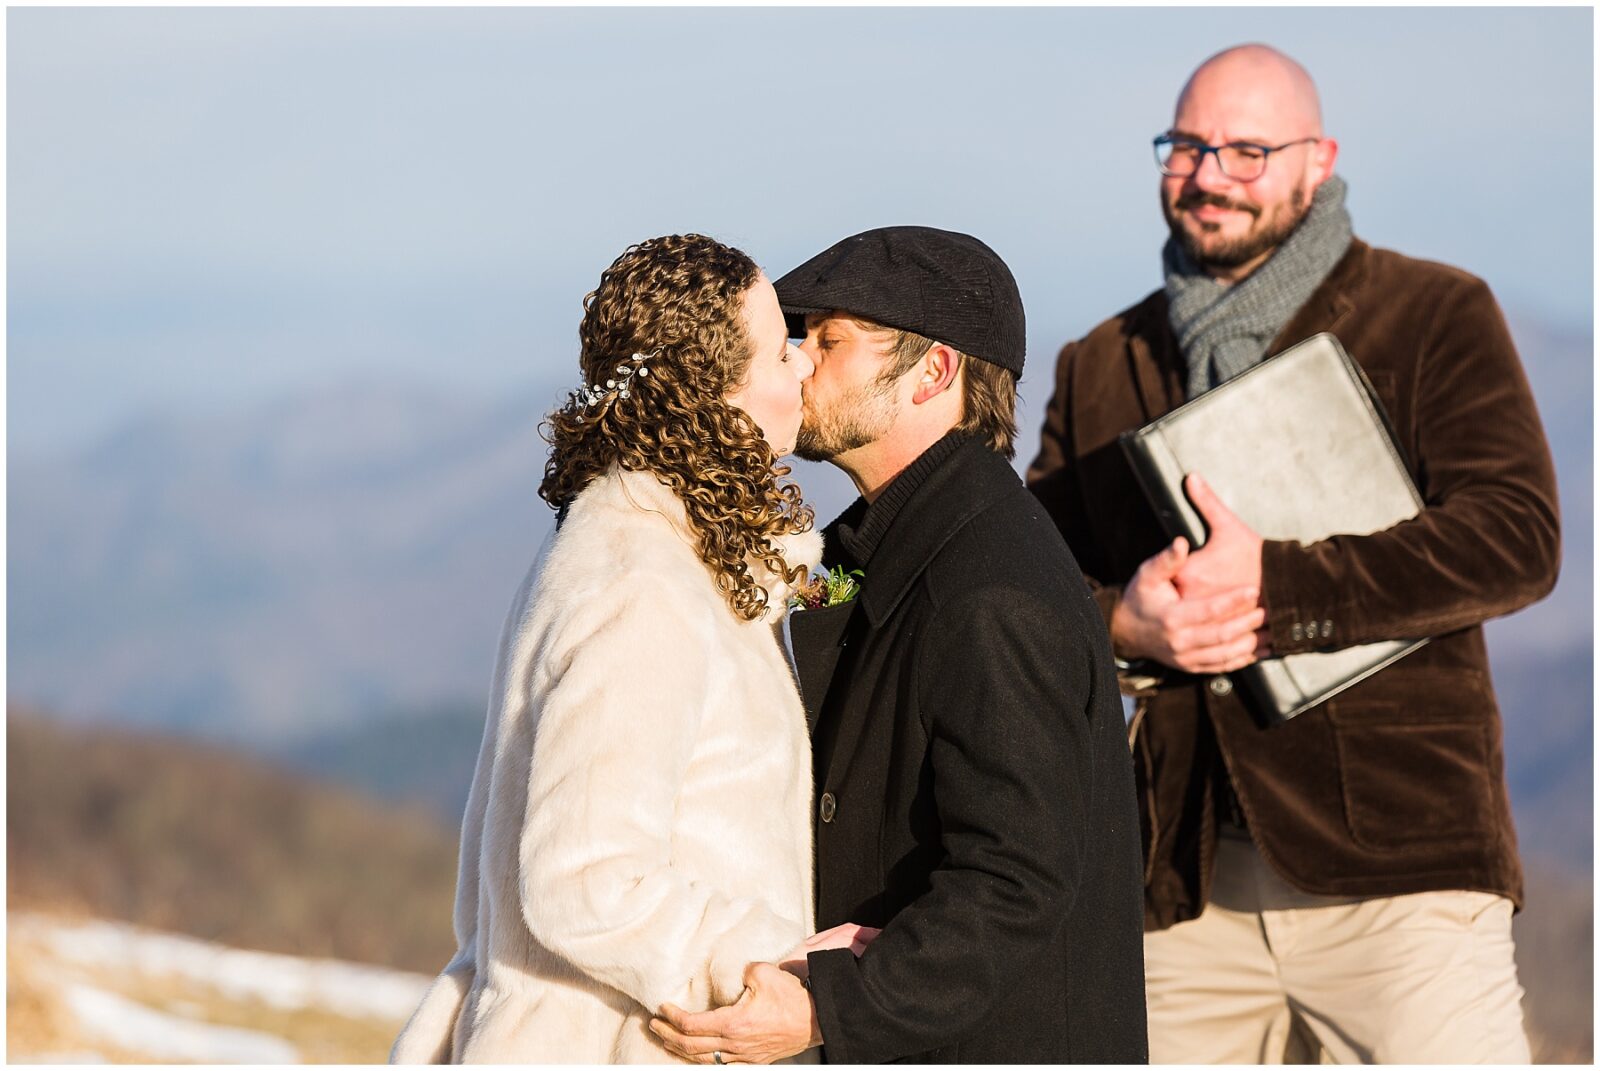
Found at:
(644, 491)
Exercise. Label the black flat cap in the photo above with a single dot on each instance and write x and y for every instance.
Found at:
(946, 286)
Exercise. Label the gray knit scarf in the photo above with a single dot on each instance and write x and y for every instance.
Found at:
(1224, 330)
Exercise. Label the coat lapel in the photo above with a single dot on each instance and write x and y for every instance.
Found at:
(1157, 376)
(835, 740)
(964, 485)
(1329, 305)
(817, 637)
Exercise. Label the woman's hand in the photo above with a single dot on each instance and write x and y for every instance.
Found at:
(855, 938)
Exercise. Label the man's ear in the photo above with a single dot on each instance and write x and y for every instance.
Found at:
(937, 372)
(1324, 153)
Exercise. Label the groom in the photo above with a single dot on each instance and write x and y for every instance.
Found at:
(974, 791)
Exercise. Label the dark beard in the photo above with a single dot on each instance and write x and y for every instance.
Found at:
(1263, 238)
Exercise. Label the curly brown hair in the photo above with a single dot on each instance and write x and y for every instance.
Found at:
(679, 299)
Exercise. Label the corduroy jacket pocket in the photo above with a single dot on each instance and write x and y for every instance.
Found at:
(1412, 777)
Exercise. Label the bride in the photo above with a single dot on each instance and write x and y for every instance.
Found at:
(639, 826)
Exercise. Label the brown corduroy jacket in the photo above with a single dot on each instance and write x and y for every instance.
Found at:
(1396, 785)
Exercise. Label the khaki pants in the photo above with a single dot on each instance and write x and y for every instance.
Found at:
(1269, 974)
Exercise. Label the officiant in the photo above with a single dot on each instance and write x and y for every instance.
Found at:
(1340, 886)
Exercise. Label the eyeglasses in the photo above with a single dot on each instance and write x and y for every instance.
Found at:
(1242, 161)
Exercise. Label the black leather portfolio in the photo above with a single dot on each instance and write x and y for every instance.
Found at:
(1299, 448)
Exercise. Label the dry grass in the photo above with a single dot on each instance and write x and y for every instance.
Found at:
(192, 839)
(36, 1022)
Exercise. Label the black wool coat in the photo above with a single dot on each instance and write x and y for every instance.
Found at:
(974, 789)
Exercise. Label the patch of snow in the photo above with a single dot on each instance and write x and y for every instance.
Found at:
(289, 983)
(143, 1030)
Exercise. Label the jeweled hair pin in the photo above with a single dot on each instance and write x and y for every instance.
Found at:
(620, 381)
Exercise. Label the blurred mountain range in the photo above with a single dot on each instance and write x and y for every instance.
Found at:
(291, 576)
(305, 565)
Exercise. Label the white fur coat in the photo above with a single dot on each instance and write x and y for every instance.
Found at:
(639, 825)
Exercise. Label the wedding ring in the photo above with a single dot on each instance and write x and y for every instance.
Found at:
(717, 1056)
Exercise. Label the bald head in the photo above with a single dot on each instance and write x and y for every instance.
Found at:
(1262, 107)
(1252, 86)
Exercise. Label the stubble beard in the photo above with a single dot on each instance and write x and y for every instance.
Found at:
(1265, 233)
(857, 419)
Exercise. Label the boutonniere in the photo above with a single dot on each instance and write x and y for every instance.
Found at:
(827, 589)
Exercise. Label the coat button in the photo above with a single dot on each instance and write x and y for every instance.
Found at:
(1327, 629)
(1311, 630)
(1221, 686)
(829, 806)
(1297, 631)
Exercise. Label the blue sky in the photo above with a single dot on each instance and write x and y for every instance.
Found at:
(211, 206)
